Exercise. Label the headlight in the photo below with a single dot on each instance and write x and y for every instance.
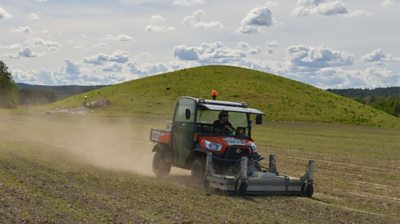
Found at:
(212, 146)
(253, 147)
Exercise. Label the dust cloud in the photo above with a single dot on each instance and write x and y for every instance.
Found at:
(110, 143)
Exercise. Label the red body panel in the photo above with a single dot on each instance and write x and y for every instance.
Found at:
(226, 142)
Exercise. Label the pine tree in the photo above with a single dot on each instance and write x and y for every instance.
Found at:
(8, 89)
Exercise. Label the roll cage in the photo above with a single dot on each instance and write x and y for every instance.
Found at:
(202, 128)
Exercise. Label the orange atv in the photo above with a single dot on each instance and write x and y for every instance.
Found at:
(225, 159)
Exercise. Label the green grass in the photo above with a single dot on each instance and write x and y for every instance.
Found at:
(280, 98)
(334, 139)
(42, 180)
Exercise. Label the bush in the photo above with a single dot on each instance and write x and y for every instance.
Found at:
(8, 89)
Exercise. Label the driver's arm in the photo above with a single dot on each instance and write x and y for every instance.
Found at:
(229, 127)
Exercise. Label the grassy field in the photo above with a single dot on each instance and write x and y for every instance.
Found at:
(282, 99)
(85, 169)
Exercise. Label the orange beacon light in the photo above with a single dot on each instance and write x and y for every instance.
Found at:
(214, 94)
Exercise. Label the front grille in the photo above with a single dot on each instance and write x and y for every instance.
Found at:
(238, 151)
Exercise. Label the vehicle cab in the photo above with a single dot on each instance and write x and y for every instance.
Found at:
(192, 135)
(193, 130)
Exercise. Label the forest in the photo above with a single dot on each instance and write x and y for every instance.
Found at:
(386, 99)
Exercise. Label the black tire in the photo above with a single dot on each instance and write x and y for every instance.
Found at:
(242, 188)
(308, 189)
(198, 171)
(161, 168)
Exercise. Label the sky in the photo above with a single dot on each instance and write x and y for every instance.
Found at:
(327, 44)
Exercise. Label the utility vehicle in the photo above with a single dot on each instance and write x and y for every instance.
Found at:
(227, 161)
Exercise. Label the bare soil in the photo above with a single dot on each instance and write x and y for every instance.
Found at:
(82, 169)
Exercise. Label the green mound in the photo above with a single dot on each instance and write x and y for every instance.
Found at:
(280, 98)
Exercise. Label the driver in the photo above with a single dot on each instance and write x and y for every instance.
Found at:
(222, 125)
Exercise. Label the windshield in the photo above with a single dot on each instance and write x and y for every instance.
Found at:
(208, 119)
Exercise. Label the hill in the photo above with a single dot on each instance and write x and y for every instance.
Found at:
(280, 98)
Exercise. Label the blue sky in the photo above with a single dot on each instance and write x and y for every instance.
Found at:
(328, 44)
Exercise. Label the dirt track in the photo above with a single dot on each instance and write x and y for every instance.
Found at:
(120, 144)
(49, 172)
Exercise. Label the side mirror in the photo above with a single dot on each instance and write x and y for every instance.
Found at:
(187, 113)
(259, 119)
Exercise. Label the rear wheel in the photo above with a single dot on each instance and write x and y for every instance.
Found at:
(198, 171)
(161, 167)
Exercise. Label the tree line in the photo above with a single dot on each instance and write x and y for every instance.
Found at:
(39, 94)
(8, 89)
(386, 99)
(13, 94)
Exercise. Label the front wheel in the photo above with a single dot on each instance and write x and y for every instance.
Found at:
(242, 188)
(161, 167)
(198, 171)
(308, 189)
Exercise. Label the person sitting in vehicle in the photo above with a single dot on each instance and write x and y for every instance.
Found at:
(222, 125)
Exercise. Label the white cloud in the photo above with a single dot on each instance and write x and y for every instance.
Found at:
(309, 58)
(377, 77)
(157, 18)
(375, 56)
(255, 50)
(40, 0)
(22, 29)
(4, 14)
(34, 77)
(243, 45)
(147, 69)
(188, 2)
(78, 47)
(370, 77)
(337, 77)
(51, 45)
(27, 53)
(272, 44)
(319, 7)
(270, 4)
(99, 45)
(358, 13)
(313, 64)
(185, 53)
(71, 74)
(379, 57)
(156, 28)
(255, 19)
(246, 47)
(72, 68)
(100, 59)
(196, 21)
(325, 68)
(121, 37)
(209, 53)
(217, 53)
(113, 68)
(34, 16)
(390, 2)
(11, 46)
